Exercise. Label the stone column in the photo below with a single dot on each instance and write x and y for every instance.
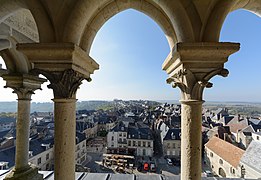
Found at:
(64, 85)
(24, 86)
(191, 115)
(65, 130)
(190, 67)
(65, 65)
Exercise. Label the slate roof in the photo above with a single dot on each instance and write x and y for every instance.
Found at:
(8, 155)
(80, 137)
(36, 145)
(3, 133)
(139, 131)
(173, 134)
(226, 119)
(252, 156)
(120, 127)
(4, 120)
(225, 150)
(254, 121)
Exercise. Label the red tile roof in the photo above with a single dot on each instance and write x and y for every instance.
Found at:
(225, 150)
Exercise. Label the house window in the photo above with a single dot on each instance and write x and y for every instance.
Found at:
(47, 167)
(129, 143)
(112, 138)
(120, 134)
(144, 144)
(211, 154)
(220, 161)
(174, 145)
(148, 144)
(134, 143)
(47, 156)
(39, 161)
(232, 170)
(257, 137)
(139, 143)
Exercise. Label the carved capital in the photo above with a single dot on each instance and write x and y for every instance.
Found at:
(63, 83)
(65, 65)
(191, 65)
(23, 85)
(190, 85)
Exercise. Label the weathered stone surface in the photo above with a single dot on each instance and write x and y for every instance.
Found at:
(191, 65)
(31, 173)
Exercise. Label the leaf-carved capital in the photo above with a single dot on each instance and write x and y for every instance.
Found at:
(192, 84)
(23, 85)
(63, 83)
(23, 93)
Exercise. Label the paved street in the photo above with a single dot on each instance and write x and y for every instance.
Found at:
(95, 163)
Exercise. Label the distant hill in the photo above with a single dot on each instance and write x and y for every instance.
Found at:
(48, 106)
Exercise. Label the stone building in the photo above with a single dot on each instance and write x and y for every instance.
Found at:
(130, 138)
(53, 38)
(172, 143)
(250, 163)
(223, 158)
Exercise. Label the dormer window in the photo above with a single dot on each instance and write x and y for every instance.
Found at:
(173, 136)
(30, 154)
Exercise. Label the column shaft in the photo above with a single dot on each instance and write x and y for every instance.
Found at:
(65, 129)
(191, 119)
(22, 134)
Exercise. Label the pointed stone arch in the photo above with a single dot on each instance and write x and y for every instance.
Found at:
(221, 10)
(84, 22)
(29, 23)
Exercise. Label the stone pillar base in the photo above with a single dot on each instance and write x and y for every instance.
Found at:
(30, 173)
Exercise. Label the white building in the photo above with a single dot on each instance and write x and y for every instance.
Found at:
(250, 162)
(256, 136)
(223, 158)
(172, 143)
(130, 138)
(80, 148)
(117, 139)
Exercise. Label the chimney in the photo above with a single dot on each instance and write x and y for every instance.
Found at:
(225, 136)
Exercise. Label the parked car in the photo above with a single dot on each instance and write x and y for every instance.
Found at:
(208, 173)
(169, 162)
(176, 162)
(152, 167)
(146, 166)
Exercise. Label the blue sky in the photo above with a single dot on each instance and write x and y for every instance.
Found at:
(131, 48)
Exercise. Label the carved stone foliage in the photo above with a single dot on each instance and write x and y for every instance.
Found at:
(192, 84)
(63, 83)
(23, 93)
(23, 85)
(190, 66)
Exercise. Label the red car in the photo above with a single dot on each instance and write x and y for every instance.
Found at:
(146, 166)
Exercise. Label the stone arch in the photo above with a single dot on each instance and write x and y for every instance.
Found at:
(221, 10)
(38, 14)
(8, 8)
(215, 20)
(33, 26)
(15, 61)
(88, 17)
